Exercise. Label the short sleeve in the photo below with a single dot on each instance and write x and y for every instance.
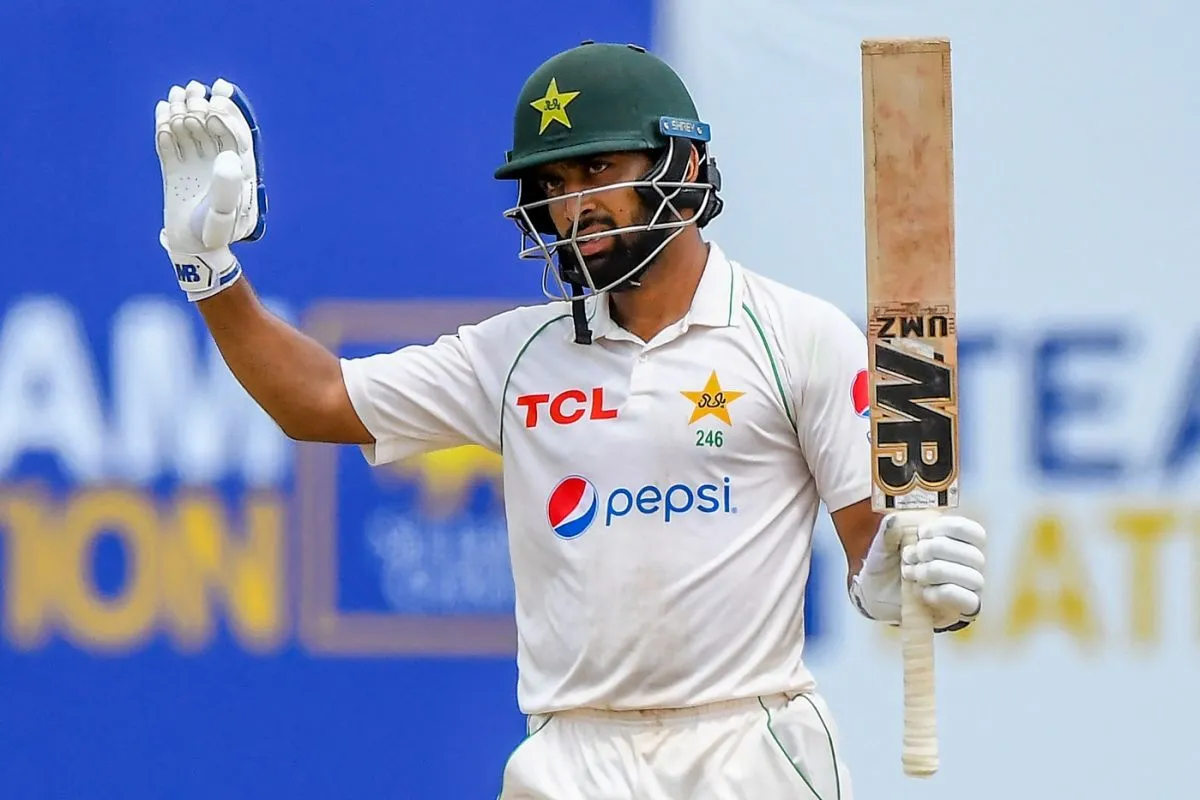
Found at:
(421, 398)
(832, 422)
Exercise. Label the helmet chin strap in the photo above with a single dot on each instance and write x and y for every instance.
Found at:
(571, 273)
(645, 251)
(583, 333)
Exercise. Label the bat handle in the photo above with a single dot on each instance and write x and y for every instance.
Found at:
(919, 754)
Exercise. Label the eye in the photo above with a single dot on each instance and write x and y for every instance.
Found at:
(597, 166)
(550, 185)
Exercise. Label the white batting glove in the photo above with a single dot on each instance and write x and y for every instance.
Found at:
(947, 562)
(208, 146)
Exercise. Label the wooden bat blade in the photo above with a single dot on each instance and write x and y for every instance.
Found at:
(911, 314)
(911, 328)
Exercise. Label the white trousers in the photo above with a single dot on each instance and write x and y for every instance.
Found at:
(763, 748)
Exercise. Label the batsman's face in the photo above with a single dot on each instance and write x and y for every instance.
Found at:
(599, 210)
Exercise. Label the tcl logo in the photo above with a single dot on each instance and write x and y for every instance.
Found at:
(565, 407)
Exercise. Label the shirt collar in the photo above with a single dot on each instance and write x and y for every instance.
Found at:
(718, 298)
(716, 304)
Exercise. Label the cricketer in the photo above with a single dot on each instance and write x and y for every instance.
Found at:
(670, 424)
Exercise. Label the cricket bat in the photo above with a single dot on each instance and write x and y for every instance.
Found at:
(911, 328)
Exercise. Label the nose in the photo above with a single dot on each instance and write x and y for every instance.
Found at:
(577, 208)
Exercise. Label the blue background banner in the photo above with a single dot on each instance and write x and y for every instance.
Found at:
(192, 606)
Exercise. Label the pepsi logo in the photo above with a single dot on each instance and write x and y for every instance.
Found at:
(860, 394)
(572, 506)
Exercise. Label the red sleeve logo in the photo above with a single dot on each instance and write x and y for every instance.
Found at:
(860, 394)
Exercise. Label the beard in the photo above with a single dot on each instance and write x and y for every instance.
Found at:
(627, 253)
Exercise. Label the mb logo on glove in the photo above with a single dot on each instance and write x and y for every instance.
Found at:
(187, 273)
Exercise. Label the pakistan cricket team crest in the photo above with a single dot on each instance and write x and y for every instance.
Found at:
(711, 401)
(553, 106)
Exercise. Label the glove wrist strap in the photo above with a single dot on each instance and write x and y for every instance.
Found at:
(206, 274)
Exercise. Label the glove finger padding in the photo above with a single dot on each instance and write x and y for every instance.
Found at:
(955, 528)
(952, 603)
(934, 573)
(244, 126)
(164, 140)
(193, 121)
(177, 100)
(942, 549)
(226, 122)
(224, 196)
(193, 130)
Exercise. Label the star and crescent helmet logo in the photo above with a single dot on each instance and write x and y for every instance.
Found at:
(553, 106)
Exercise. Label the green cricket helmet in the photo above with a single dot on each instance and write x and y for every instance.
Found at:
(605, 98)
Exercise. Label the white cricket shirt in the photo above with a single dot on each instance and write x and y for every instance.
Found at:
(660, 496)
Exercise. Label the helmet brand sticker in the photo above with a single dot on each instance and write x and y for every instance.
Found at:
(688, 129)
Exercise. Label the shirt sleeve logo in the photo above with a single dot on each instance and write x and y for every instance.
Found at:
(860, 394)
